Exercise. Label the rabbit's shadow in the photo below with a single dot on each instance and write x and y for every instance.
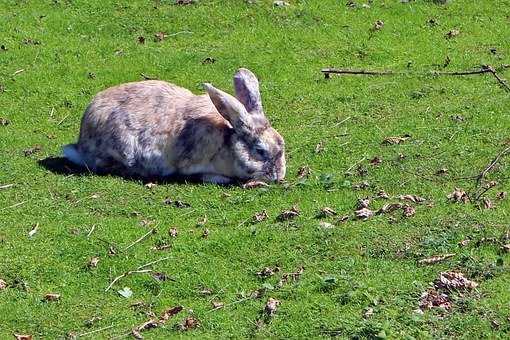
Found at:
(62, 166)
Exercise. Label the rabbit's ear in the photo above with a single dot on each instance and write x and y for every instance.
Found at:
(247, 91)
(229, 107)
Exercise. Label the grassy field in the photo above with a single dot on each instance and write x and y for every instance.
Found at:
(360, 278)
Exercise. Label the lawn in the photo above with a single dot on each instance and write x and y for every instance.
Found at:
(359, 278)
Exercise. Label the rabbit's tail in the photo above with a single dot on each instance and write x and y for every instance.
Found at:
(72, 154)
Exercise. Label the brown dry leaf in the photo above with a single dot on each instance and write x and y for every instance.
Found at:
(464, 243)
(280, 3)
(202, 221)
(412, 198)
(93, 262)
(304, 171)
(378, 25)
(23, 337)
(162, 247)
(435, 259)
(184, 2)
(442, 171)
(326, 212)
(217, 304)
(254, 184)
(490, 184)
(458, 195)
(395, 140)
(189, 323)
(454, 281)
(169, 313)
(52, 297)
(32, 150)
(388, 208)
(112, 251)
(368, 312)
(205, 234)
(501, 195)
(342, 219)
(375, 161)
(141, 40)
(364, 213)
(319, 147)
(3, 284)
(433, 299)
(159, 276)
(408, 211)
(286, 277)
(160, 36)
(177, 204)
(152, 323)
(383, 194)
(452, 33)
(362, 185)
(136, 334)
(208, 60)
(271, 306)
(363, 203)
(288, 214)
(150, 185)
(206, 291)
(267, 271)
(260, 216)
(487, 203)
(172, 232)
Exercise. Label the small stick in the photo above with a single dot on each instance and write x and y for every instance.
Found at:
(62, 120)
(501, 80)
(91, 230)
(95, 331)
(491, 165)
(14, 205)
(177, 33)
(484, 69)
(126, 274)
(352, 167)
(328, 71)
(154, 262)
(152, 231)
(18, 72)
(6, 186)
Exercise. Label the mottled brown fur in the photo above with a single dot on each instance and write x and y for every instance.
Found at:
(153, 128)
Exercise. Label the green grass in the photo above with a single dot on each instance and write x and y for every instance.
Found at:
(368, 263)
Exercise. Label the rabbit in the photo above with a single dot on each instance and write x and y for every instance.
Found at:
(156, 129)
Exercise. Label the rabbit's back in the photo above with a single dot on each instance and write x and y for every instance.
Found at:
(133, 128)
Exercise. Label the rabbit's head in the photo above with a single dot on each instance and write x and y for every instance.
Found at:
(258, 150)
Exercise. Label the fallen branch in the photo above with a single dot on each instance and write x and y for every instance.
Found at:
(486, 170)
(484, 69)
(126, 274)
(154, 262)
(491, 165)
(14, 205)
(91, 230)
(143, 237)
(328, 71)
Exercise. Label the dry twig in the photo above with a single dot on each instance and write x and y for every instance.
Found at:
(126, 274)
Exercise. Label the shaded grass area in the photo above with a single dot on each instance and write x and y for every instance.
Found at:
(70, 50)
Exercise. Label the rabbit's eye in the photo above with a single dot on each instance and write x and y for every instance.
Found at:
(261, 152)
